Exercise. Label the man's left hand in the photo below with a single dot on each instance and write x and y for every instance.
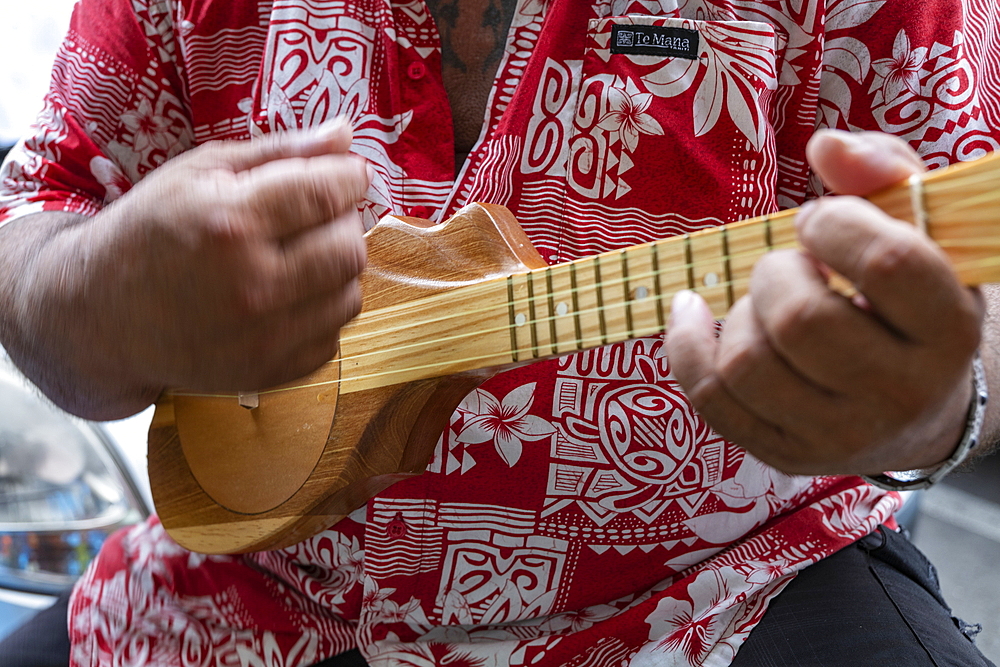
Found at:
(812, 382)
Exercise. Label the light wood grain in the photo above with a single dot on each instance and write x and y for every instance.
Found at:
(446, 306)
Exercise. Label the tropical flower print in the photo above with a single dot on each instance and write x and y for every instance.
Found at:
(579, 619)
(628, 115)
(110, 176)
(688, 628)
(149, 130)
(739, 69)
(755, 492)
(506, 422)
(899, 73)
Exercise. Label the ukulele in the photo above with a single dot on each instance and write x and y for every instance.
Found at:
(445, 307)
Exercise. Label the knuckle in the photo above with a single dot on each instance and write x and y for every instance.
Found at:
(797, 320)
(253, 300)
(702, 394)
(891, 261)
(210, 151)
(225, 224)
(735, 363)
(350, 252)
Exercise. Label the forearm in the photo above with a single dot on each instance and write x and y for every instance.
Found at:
(48, 328)
(230, 267)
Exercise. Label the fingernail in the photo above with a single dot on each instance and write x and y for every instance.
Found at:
(851, 141)
(805, 212)
(328, 129)
(682, 301)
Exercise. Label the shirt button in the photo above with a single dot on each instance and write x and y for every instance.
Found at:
(416, 70)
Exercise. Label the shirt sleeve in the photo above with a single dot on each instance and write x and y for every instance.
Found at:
(115, 111)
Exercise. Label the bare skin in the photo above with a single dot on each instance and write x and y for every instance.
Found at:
(473, 36)
(233, 266)
(211, 274)
(809, 382)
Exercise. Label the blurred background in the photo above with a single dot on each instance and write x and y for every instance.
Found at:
(958, 527)
(957, 524)
(30, 33)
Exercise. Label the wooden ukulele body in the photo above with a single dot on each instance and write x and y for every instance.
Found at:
(444, 307)
(227, 479)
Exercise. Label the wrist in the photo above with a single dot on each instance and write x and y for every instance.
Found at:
(923, 478)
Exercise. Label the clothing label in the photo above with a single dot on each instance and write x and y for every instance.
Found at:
(654, 40)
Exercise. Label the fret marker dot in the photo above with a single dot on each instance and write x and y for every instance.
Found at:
(711, 279)
(561, 308)
(520, 319)
(641, 293)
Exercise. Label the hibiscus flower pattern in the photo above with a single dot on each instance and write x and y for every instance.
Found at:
(149, 130)
(756, 492)
(767, 73)
(506, 422)
(899, 74)
(628, 117)
(691, 625)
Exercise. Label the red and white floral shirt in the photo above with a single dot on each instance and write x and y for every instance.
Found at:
(577, 512)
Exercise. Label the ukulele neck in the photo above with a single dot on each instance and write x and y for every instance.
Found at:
(607, 298)
(626, 293)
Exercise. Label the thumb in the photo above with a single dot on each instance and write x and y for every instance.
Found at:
(332, 136)
(861, 163)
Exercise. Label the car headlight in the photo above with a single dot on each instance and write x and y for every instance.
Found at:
(62, 491)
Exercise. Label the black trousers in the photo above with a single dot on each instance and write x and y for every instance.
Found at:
(876, 603)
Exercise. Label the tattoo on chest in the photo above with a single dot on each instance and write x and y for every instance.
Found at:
(473, 32)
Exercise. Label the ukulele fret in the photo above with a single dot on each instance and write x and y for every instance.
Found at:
(660, 319)
(532, 316)
(640, 288)
(627, 295)
(523, 322)
(727, 268)
(512, 325)
(746, 244)
(588, 306)
(575, 294)
(563, 325)
(707, 268)
(599, 292)
(688, 261)
(552, 311)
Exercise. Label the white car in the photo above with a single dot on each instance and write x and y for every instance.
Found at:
(65, 485)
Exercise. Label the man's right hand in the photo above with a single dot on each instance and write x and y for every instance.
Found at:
(231, 267)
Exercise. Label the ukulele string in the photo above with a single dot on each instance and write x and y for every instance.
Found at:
(965, 265)
(568, 294)
(581, 343)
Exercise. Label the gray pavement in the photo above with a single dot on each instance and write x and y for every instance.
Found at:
(958, 527)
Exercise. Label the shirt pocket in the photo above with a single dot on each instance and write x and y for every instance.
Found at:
(672, 130)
